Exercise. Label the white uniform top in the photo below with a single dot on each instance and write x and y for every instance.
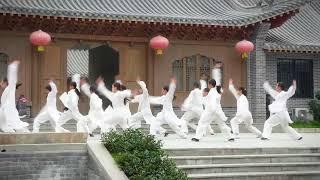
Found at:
(165, 100)
(143, 99)
(52, 96)
(242, 101)
(72, 102)
(8, 100)
(194, 100)
(280, 103)
(211, 100)
(116, 98)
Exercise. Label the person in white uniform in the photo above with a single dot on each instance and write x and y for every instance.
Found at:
(193, 107)
(118, 97)
(49, 112)
(144, 112)
(96, 114)
(70, 101)
(9, 115)
(278, 110)
(211, 113)
(167, 115)
(243, 114)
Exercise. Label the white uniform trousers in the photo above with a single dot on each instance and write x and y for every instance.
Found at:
(245, 118)
(187, 117)
(206, 119)
(276, 119)
(42, 118)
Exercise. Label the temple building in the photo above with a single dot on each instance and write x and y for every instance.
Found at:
(111, 38)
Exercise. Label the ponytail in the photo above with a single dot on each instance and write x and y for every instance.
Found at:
(243, 90)
(74, 85)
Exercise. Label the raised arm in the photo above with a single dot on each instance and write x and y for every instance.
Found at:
(156, 99)
(233, 89)
(53, 86)
(143, 87)
(103, 90)
(85, 88)
(291, 91)
(273, 93)
(216, 75)
(203, 84)
(172, 89)
(13, 74)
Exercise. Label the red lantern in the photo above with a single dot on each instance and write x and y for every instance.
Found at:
(159, 43)
(244, 47)
(40, 39)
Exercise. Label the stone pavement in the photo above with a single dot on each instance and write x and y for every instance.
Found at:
(247, 140)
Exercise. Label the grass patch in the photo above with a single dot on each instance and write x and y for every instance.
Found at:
(310, 124)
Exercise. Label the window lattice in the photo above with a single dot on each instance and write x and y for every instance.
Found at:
(177, 68)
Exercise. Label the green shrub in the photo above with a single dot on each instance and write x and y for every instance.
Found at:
(140, 156)
(315, 106)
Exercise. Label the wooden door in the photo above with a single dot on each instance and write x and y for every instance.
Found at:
(51, 67)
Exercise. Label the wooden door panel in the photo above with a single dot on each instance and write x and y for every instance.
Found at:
(136, 64)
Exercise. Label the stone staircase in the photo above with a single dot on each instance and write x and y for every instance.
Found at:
(249, 164)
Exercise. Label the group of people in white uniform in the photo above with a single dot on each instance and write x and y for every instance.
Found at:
(202, 104)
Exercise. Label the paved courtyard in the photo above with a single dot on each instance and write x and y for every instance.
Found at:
(278, 140)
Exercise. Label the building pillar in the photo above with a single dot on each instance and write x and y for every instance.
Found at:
(256, 70)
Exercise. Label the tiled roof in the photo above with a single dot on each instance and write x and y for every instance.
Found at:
(300, 33)
(211, 12)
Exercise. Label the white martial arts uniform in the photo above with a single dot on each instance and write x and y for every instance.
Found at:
(193, 107)
(120, 112)
(211, 113)
(279, 112)
(49, 112)
(167, 115)
(70, 100)
(243, 114)
(96, 115)
(9, 115)
(144, 112)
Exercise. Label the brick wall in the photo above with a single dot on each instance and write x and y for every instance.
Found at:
(256, 68)
(44, 165)
(272, 58)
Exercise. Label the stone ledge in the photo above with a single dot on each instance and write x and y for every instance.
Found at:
(42, 138)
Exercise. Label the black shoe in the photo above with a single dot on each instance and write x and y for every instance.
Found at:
(231, 139)
(166, 134)
(231, 132)
(264, 139)
(91, 135)
(300, 138)
(195, 139)
(3, 150)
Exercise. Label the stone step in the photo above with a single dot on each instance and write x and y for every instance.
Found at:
(283, 175)
(250, 167)
(258, 158)
(240, 151)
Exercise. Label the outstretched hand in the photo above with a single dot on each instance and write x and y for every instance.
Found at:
(230, 81)
(294, 83)
(173, 80)
(17, 62)
(138, 79)
(99, 80)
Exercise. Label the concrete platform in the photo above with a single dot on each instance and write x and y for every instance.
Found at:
(42, 138)
(278, 140)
